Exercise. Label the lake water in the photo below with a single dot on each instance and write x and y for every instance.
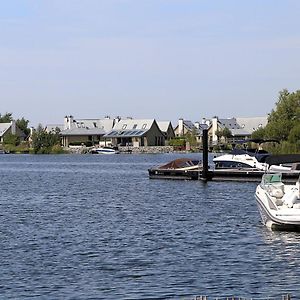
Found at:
(95, 227)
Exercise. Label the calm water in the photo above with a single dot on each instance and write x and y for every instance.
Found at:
(95, 227)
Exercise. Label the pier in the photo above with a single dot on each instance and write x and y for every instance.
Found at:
(204, 173)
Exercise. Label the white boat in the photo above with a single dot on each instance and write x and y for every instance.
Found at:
(241, 159)
(278, 203)
(258, 160)
(104, 150)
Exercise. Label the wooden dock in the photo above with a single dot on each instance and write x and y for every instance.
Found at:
(248, 175)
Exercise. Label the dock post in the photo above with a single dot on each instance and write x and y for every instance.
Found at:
(204, 174)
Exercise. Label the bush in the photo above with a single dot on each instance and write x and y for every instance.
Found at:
(177, 142)
(11, 139)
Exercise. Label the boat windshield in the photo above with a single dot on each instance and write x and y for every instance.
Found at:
(271, 178)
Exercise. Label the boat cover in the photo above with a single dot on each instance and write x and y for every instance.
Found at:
(180, 163)
(282, 159)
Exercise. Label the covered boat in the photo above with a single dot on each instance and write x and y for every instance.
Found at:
(278, 203)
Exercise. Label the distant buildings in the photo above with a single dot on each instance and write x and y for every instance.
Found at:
(150, 132)
(10, 128)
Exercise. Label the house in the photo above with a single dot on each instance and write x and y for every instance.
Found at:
(11, 128)
(85, 130)
(252, 124)
(136, 133)
(185, 127)
(240, 128)
(167, 129)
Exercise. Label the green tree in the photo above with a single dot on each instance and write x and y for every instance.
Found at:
(294, 135)
(191, 137)
(259, 133)
(23, 125)
(6, 118)
(11, 139)
(43, 142)
(285, 116)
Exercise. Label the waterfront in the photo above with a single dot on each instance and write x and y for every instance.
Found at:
(95, 227)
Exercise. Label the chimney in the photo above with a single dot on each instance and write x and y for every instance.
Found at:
(180, 127)
(68, 122)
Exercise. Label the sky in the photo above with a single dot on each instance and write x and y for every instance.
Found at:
(162, 59)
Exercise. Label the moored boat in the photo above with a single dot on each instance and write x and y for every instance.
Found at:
(104, 150)
(278, 203)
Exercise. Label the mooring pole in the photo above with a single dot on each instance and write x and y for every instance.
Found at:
(204, 174)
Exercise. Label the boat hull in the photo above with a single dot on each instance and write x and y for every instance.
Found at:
(273, 222)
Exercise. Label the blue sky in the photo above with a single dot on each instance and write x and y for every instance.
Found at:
(162, 59)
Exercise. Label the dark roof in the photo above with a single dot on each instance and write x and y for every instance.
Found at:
(125, 133)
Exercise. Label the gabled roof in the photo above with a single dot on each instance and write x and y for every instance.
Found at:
(130, 128)
(4, 127)
(104, 124)
(252, 124)
(164, 125)
(134, 124)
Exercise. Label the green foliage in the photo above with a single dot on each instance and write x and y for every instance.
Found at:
(294, 135)
(226, 133)
(284, 147)
(285, 116)
(191, 138)
(177, 142)
(259, 133)
(43, 142)
(23, 125)
(22, 148)
(11, 139)
(6, 118)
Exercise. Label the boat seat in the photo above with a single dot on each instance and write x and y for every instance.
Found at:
(276, 190)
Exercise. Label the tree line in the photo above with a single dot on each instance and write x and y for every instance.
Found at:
(40, 142)
(283, 124)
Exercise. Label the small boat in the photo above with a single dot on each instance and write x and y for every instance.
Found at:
(181, 168)
(104, 150)
(182, 164)
(278, 203)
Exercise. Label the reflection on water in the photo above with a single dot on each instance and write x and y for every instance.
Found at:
(95, 227)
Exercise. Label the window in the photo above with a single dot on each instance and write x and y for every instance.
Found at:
(124, 126)
(144, 126)
(95, 124)
(134, 126)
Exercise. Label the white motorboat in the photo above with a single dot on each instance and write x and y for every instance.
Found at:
(278, 203)
(241, 159)
(104, 150)
(258, 160)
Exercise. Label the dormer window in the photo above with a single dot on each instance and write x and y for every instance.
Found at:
(124, 126)
(95, 124)
(144, 126)
(134, 126)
